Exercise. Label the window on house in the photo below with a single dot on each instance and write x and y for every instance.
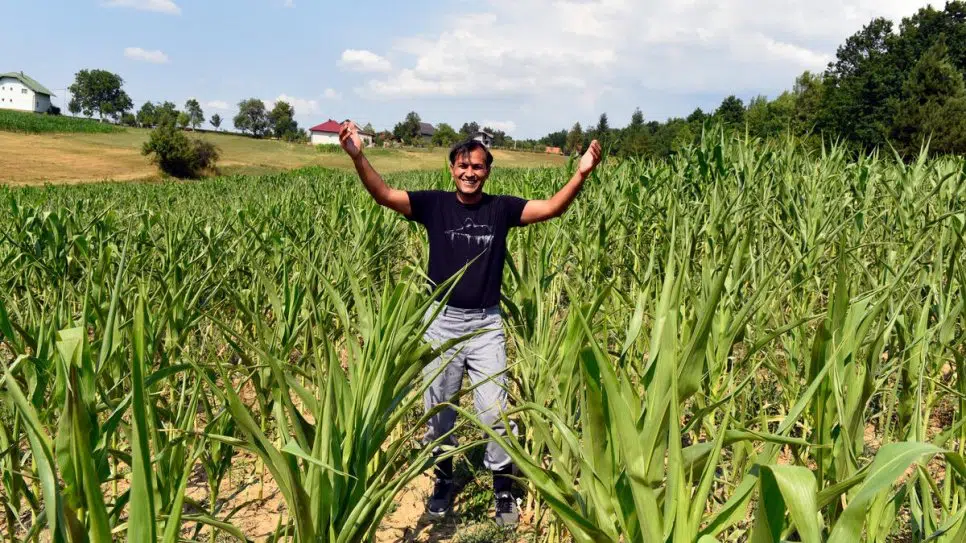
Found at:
(23, 91)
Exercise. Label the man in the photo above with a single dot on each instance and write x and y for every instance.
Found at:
(464, 225)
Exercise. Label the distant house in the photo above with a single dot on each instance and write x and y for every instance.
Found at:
(20, 91)
(426, 132)
(553, 150)
(328, 132)
(366, 137)
(483, 136)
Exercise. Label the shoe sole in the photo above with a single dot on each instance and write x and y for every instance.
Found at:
(441, 514)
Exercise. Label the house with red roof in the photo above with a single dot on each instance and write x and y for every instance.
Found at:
(328, 133)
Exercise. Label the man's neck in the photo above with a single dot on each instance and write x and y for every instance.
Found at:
(469, 199)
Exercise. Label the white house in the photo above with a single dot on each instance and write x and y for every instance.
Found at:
(19, 91)
(328, 132)
(483, 136)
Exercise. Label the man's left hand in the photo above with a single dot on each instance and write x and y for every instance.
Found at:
(590, 160)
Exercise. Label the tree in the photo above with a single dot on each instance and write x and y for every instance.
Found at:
(757, 116)
(863, 86)
(368, 129)
(176, 154)
(637, 120)
(917, 34)
(602, 130)
(252, 117)
(183, 120)
(407, 131)
(195, 115)
(444, 135)
(809, 91)
(98, 91)
(636, 141)
(282, 121)
(575, 140)
(167, 112)
(555, 139)
(128, 119)
(697, 116)
(500, 139)
(933, 106)
(468, 129)
(216, 121)
(731, 112)
(147, 116)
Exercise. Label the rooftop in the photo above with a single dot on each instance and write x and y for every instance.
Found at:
(30, 82)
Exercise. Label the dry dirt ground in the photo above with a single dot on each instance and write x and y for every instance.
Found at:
(261, 507)
(69, 158)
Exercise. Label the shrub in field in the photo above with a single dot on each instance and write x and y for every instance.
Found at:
(177, 155)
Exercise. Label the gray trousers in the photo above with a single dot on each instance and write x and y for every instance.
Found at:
(484, 358)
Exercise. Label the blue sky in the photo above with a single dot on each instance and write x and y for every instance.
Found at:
(525, 66)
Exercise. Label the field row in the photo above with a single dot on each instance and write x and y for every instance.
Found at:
(748, 342)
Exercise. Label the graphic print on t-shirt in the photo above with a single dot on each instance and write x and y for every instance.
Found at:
(480, 235)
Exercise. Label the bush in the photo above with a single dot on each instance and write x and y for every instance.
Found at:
(53, 110)
(177, 155)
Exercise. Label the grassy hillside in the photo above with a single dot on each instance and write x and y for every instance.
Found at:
(78, 157)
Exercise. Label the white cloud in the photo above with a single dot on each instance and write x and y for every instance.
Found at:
(505, 126)
(331, 94)
(360, 60)
(160, 6)
(302, 106)
(136, 53)
(217, 104)
(289, 3)
(583, 49)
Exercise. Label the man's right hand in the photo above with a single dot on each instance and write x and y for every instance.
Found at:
(349, 139)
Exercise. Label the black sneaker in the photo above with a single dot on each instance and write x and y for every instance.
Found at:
(441, 500)
(507, 513)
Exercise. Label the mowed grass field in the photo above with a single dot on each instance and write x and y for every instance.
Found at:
(81, 157)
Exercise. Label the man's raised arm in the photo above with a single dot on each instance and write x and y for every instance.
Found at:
(383, 194)
(541, 210)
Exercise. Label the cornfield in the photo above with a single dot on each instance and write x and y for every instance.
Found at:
(747, 342)
(35, 123)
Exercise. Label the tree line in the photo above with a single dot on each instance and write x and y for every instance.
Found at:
(101, 93)
(888, 87)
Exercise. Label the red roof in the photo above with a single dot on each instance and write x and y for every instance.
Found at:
(328, 126)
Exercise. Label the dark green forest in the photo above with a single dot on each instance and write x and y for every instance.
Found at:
(889, 87)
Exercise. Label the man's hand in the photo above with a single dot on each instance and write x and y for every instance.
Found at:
(541, 210)
(590, 160)
(349, 139)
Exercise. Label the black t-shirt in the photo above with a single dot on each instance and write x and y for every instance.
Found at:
(458, 233)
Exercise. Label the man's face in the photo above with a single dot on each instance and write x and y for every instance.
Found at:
(470, 172)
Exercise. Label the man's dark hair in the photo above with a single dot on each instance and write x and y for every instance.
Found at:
(467, 147)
